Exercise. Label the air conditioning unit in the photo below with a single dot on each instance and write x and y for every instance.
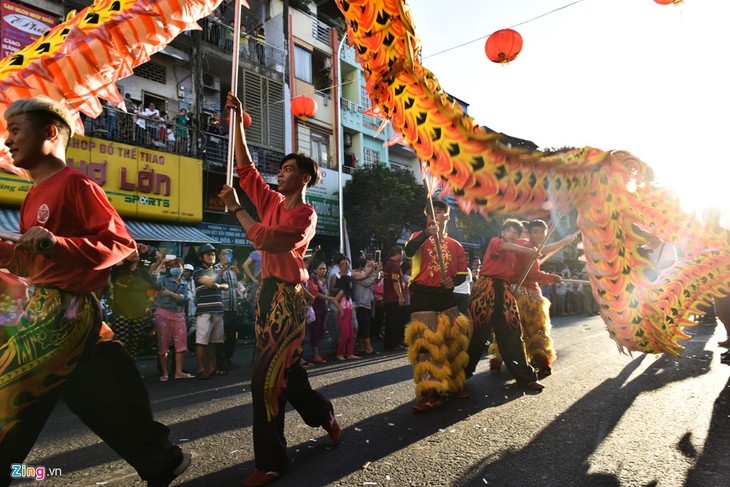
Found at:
(211, 82)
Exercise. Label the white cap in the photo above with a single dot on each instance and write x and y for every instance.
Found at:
(188, 267)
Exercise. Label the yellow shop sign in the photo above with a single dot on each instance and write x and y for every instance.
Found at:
(139, 182)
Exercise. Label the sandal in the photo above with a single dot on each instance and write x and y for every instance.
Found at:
(320, 360)
(186, 376)
(164, 378)
(202, 375)
(217, 373)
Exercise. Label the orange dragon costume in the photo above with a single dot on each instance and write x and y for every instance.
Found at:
(611, 190)
(79, 61)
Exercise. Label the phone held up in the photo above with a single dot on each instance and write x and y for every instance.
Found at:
(377, 256)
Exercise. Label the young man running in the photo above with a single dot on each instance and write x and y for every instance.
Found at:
(71, 237)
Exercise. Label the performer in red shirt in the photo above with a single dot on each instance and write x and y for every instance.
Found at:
(534, 307)
(438, 334)
(286, 228)
(493, 308)
(71, 237)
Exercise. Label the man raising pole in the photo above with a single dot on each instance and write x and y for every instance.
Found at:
(286, 228)
(437, 334)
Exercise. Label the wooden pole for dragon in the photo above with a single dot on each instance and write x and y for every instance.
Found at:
(232, 119)
(437, 237)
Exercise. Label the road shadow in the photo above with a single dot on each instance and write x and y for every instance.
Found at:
(713, 465)
(576, 434)
(317, 463)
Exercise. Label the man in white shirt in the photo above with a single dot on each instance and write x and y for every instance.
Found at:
(152, 114)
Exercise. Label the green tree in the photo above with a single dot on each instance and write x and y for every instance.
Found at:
(473, 227)
(379, 203)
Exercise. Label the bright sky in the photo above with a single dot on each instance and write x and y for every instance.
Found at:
(612, 74)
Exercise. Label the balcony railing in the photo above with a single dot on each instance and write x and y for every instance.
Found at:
(214, 152)
(321, 31)
(251, 47)
(120, 126)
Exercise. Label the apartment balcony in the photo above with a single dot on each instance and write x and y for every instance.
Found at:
(353, 117)
(348, 56)
(252, 50)
(117, 125)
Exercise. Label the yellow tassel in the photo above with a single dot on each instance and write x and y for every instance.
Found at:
(535, 317)
(493, 350)
(430, 378)
(444, 350)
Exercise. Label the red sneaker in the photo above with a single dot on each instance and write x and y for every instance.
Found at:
(259, 477)
(427, 404)
(332, 427)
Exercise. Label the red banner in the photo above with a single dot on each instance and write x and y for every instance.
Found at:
(21, 26)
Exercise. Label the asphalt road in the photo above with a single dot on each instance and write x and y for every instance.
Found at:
(604, 419)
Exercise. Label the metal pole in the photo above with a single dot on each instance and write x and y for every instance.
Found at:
(234, 89)
(340, 151)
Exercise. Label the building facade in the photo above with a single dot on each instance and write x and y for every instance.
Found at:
(163, 160)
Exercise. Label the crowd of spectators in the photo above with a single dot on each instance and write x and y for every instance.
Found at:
(153, 303)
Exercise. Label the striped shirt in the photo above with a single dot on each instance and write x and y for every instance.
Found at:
(208, 299)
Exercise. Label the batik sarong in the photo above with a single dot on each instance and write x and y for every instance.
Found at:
(54, 331)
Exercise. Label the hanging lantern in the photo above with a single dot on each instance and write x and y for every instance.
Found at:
(303, 107)
(246, 120)
(668, 2)
(503, 46)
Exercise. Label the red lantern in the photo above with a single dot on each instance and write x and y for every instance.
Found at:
(668, 2)
(503, 46)
(246, 120)
(303, 107)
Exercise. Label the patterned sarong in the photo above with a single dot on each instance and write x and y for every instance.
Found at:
(280, 318)
(55, 329)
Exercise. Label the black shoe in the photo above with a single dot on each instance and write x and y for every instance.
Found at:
(543, 372)
(167, 479)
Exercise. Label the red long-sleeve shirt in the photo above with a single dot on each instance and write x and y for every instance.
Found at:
(283, 234)
(498, 262)
(535, 275)
(91, 234)
(426, 267)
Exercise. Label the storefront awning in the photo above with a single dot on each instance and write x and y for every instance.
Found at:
(166, 232)
(158, 232)
(9, 220)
